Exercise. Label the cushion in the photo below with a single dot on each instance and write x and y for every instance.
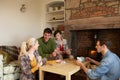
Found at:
(6, 57)
(12, 67)
(13, 52)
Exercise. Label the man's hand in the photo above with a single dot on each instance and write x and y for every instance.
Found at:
(92, 60)
(88, 59)
(79, 63)
(53, 54)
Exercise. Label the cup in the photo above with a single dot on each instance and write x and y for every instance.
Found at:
(81, 59)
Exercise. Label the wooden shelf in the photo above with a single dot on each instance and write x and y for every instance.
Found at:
(55, 21)
(57, 11)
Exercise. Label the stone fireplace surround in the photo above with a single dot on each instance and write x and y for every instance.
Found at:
(81, 33)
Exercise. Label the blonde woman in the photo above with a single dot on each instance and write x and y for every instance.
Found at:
(29, 59)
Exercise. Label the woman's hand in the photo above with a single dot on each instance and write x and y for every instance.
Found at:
(57, 50)
(40, 64)
(68, 51)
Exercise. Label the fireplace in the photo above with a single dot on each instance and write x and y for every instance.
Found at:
(92, 53)
(87, 20)
(83, 41)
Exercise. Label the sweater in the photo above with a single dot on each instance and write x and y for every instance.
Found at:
(46, 48)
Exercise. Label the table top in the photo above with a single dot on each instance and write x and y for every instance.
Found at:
(67, 68)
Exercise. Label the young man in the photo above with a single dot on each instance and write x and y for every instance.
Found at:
(47, 45)
(108, 68)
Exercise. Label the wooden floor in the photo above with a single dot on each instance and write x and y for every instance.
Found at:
(77, 76)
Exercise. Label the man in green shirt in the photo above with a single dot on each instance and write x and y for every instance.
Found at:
(47, 45)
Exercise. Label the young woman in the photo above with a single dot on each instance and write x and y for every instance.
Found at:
(29, 59)
(62, 45)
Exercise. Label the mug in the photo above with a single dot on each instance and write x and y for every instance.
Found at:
(82, 59)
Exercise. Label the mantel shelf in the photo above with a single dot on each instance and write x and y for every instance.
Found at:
(56, 21)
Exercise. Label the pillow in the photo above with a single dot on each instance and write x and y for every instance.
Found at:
(6, 57)
(13, 51)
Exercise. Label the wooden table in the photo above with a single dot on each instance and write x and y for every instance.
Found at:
(65, 69)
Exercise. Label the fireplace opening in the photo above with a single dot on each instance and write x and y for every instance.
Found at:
(92, 53)
(83, 42)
